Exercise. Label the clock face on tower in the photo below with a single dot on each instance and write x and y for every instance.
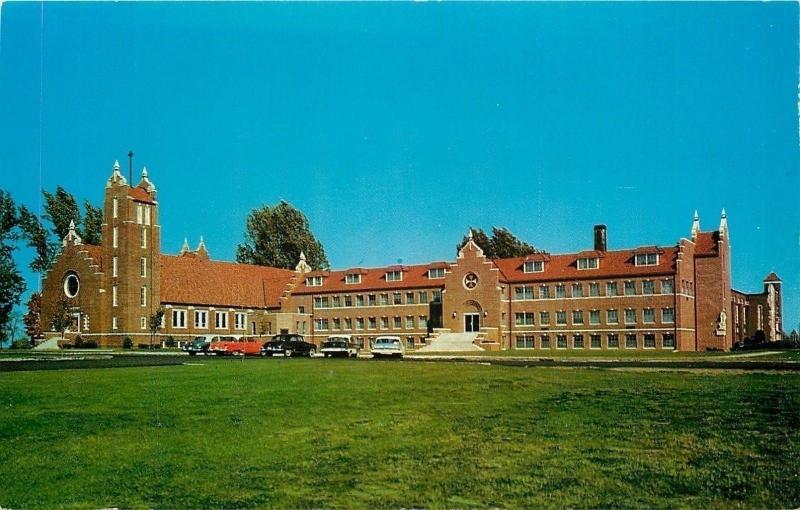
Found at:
(471, 280)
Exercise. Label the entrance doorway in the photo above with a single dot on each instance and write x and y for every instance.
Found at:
(472, 322)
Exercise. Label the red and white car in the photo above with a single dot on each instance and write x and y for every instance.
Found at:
(235, 346)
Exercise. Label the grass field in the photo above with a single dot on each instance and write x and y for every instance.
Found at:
(315, 433)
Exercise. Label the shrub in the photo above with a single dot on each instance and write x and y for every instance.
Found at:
(89, 344)
(127, 343)
(170, 341)
(78, 342)
(20, 344)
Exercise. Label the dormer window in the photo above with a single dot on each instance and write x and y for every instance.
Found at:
(533, 266)
(647, 259)
(394, 276)
(352, 278)
(588, 263)
(314, 281)
(436, 272)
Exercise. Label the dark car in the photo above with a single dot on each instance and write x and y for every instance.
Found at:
(199, 345)
(288, 345)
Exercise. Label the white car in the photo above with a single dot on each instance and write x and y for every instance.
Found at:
(339, 345)
(388, 346)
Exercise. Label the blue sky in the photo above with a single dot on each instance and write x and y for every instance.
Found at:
(395, 126)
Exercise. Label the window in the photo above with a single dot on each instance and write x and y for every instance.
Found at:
(423, 322)
(179, 319)
(394, 276)
(352, 278)
(544, 341)
(667, 287)
(630, 288)
(384, 322)
(611, 317)
(523, 292)
(397, 298)
(533, 266)
(577, 290)
(115, 207)
(336, 301)
(143, 266)
(384, 299)
(359, 300)
(668, 315)
(594, 317)
(410, 342)
(321, 324)
(544, 318)
(143, 296)
(200, 319)
(524, 341)
(314, 281)
(594, 341)
(588, 263)
(577, 316)
(371, 300)
(348, 324)
(630, 341)
(372, 323)
(577, 341)
(239, 320)
(147, 215)
(139, 214)
(561, 317)
(320, 302)
(409, 298)
(668, 341)
(544, 292)
(561, 341)
(437, 272)
(397, 323)
(648, 316)
(348, 301)
(647, 259)
(144, 238)
(301, 309)
(648, 287)
(613, 340)
(221, 320)
(630, 316)
(359, 322)
(524, 318)
(423, 297)
(594, 289)
(113, 323)
(437, 295)
(649, 341)
(409, 322)
(337, 323)
(561, 291)
(115, 237)
(611, 289)
(114, 267)
(113, 295)
(143, 322)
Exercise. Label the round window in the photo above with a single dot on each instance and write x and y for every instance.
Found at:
(471, 280)
(71, 285)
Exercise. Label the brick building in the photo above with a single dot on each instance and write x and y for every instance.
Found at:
(649, 297)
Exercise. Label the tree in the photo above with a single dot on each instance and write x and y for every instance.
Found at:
(12, 286)
(275, 236)
(37, 237)
(61, 319)
(501, 245)
(155, 324)
(61, 208)
(8, 219)
(92, 223)
(33, 317)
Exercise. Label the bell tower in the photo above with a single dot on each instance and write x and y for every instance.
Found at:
(131, 244)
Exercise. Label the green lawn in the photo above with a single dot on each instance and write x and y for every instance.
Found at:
(349, 434)
(626, 354)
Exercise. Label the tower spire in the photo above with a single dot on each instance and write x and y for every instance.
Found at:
(695, 225)
(723, 224)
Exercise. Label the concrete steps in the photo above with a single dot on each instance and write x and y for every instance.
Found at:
(452, 342)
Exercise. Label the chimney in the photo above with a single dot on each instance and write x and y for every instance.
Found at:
(600, 238)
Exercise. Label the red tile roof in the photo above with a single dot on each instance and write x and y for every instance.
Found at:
(192, 280)
(372, 279)
(140, 195)
(564, 267)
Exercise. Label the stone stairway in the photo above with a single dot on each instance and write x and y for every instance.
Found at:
(444, 342)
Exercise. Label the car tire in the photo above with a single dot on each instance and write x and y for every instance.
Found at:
(311, 352)
(287, 353)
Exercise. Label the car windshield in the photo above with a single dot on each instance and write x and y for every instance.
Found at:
(387, 342)
(335, 343)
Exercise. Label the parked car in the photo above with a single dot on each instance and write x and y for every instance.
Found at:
(236, 346)
(339, 346)
(288, 345)
(388, 346)
(199, 345)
